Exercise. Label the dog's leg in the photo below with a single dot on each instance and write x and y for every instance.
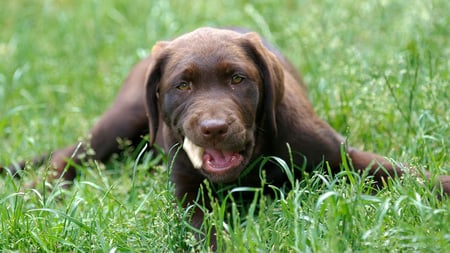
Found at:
(126, 118)
(381, 169)
(320, 142)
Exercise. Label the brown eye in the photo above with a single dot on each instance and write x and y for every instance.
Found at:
(237, 79)
(184, 86)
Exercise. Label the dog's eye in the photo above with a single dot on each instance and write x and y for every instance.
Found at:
(184, 85)
(237, 79)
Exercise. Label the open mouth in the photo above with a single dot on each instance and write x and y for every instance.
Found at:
(212, 160)
(220, 161)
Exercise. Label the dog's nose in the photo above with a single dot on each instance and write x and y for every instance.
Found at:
(213, 128)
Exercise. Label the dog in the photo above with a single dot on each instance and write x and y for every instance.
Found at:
(226, 98)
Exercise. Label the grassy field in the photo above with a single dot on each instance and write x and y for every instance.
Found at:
(378, 71)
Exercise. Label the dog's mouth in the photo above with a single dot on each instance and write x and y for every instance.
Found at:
(215, 160)
(218, 164)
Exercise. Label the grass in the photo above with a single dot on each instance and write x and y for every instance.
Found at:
(378, 71)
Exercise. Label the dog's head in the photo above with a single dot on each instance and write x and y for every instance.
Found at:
(215, 89)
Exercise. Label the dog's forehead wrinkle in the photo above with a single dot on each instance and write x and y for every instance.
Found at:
(206, 44)
(192, 63)
(208, 53)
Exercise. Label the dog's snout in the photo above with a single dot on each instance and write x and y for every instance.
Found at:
(213, 128)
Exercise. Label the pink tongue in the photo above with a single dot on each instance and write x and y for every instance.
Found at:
(215, 159)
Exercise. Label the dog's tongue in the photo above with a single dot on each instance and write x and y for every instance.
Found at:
(218, 160)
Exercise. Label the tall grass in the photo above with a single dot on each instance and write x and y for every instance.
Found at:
(378, 71)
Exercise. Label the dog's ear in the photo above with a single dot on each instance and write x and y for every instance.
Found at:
(272, 76)
(153, 78)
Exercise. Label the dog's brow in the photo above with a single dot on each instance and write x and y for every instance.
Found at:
(228, 67)
(187, 72)
(190, 71)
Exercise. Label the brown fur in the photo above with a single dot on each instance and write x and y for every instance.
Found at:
(231, 94)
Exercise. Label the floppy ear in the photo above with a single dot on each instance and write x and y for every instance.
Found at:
(272, 76)
(154, 73)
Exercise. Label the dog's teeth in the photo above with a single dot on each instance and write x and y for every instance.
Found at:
(194, 153)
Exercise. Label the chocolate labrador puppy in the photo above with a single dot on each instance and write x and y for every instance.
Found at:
(227, 98)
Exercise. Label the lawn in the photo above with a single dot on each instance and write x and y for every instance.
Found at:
(377, 71)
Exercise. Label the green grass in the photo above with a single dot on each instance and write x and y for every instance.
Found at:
(378, 71)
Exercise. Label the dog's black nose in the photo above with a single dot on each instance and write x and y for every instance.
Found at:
(213, 128)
